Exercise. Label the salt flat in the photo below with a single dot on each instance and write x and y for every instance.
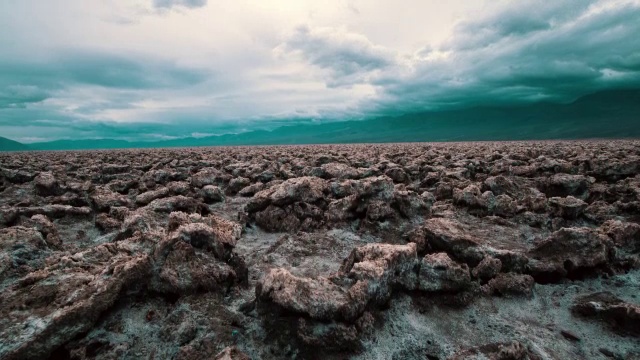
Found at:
(499, 250)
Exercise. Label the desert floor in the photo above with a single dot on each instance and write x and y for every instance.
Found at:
(489, 250)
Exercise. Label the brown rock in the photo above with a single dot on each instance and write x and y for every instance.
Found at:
(570, 249)
(504, 205)
(383, 266)
(51, 306)
(8, 216)
(316, 298)
(378, 210)
(55, 211)
(511, 284)
(231, 353)
(175, 203)
(488, 268)
(213, 233)
(106, 223)
(209, 177)
(624, 234)
(251, 190)
(178, 188)
(119, 212)
(275, 218)
(305, 189)
(187, 270)
(111, 169)
(339, 171)
(535, 201)
(568, 208)
(212, 194)
(409, 204)
(149, 196)
(48, 230)
(439, 273)
(237, 184)
(469, 196)
(565, 185)
(450, 236)
(19, 247)
(499, 185)
(379, 187)
(397, 175)
(17, 176)
(342, 209)
(103, 199)
(45, 184)
(331, 336)
(618, 314)
(443, 191)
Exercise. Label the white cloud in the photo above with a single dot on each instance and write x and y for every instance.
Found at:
(185, 3)
(349, 57)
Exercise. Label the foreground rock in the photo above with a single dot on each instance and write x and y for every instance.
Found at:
(606, 307)
(197, 256)
(22, 250)
(51, 306)
(64, 295)
(319, 299)
(498, 351)
(439, 273)
(46, 184)
(232, 353)
(570, 251)
(366, 281)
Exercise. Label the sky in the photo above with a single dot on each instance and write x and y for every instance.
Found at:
(164, 69)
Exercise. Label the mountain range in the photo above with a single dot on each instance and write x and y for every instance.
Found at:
(605, 114)
(10, 145)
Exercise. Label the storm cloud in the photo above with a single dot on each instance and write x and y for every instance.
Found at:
(560, 52)
(349, 57)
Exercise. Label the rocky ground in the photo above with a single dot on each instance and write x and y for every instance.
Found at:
(524, 250)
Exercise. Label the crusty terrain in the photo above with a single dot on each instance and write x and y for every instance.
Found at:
(521, 250)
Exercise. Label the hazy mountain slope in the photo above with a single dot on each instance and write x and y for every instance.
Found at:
(83, 144)
(608, 114)
(10, 145)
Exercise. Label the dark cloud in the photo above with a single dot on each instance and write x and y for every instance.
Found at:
(25, 82)
(165, 4)
(19, 96)
(66, 95)
(553, 51)
(109, 70)
(513, 20)
(348, 57)
(119, 72)
(41, 122)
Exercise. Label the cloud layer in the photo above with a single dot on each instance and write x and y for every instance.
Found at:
(149, 69)
(186, 3)
(347, 57)
(526, 51)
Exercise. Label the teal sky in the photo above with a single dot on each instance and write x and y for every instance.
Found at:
(165, 69)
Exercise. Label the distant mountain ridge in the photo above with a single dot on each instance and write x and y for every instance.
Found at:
(10, 145)
(606, 114)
